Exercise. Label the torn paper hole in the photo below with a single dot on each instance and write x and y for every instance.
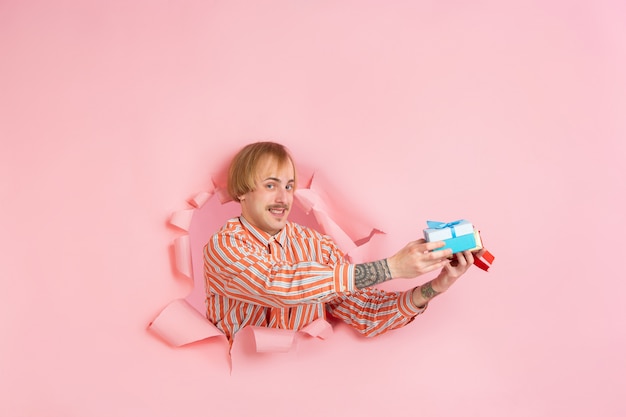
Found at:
(184, 321)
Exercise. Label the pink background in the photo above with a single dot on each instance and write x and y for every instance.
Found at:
(509, 113)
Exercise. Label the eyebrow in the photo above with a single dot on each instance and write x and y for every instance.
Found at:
(278, 180)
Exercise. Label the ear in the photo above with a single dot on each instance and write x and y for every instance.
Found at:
(241, 197)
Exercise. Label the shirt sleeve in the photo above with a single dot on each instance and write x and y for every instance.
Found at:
(373, 312)
(237, 268)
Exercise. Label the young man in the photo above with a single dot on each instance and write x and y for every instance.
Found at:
(263, 270)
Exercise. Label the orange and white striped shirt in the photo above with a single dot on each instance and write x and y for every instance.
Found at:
(289, 280)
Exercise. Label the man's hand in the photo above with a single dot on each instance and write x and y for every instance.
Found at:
(449, 274)
(453, 270)
(417, 258)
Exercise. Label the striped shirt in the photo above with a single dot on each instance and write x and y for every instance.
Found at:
(289, 280)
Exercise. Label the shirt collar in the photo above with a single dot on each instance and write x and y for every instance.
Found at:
(264, 237)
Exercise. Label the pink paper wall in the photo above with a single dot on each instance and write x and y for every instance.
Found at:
(511, 114)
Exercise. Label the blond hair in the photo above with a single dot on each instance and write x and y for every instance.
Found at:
(243, 169)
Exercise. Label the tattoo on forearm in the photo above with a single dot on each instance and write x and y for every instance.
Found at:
(427, 291)
(371, 273)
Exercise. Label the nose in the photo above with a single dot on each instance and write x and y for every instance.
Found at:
(281, 195)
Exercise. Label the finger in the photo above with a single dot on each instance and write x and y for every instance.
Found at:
(449, 267)
(439, 255)
(430, 246)
(430, 265)
(461, 258)
(444, 263)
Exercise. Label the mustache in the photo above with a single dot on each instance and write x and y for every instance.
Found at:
(278, 206)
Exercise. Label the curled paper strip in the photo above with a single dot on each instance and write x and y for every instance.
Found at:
(273, 340)
(182, 219)
(201, 198)
(319, 328)
(183, 321)
(183, 255)
(196, 326)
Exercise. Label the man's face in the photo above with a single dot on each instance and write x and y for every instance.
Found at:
(269, 204)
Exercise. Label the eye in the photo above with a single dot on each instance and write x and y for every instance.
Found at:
(289, 187)
(269, 186)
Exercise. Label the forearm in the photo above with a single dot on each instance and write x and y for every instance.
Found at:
(371, 273)
(423, 294)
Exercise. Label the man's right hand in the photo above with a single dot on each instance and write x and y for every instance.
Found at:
(417, 258)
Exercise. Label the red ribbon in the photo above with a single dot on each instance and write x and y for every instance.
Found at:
(484, 263)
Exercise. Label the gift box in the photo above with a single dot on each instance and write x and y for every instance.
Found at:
(458, 235)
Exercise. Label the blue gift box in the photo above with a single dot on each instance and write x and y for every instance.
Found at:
(458, 235)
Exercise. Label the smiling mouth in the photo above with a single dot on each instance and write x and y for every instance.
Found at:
(278, 210)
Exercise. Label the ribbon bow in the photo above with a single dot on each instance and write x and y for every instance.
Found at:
(441, 225)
